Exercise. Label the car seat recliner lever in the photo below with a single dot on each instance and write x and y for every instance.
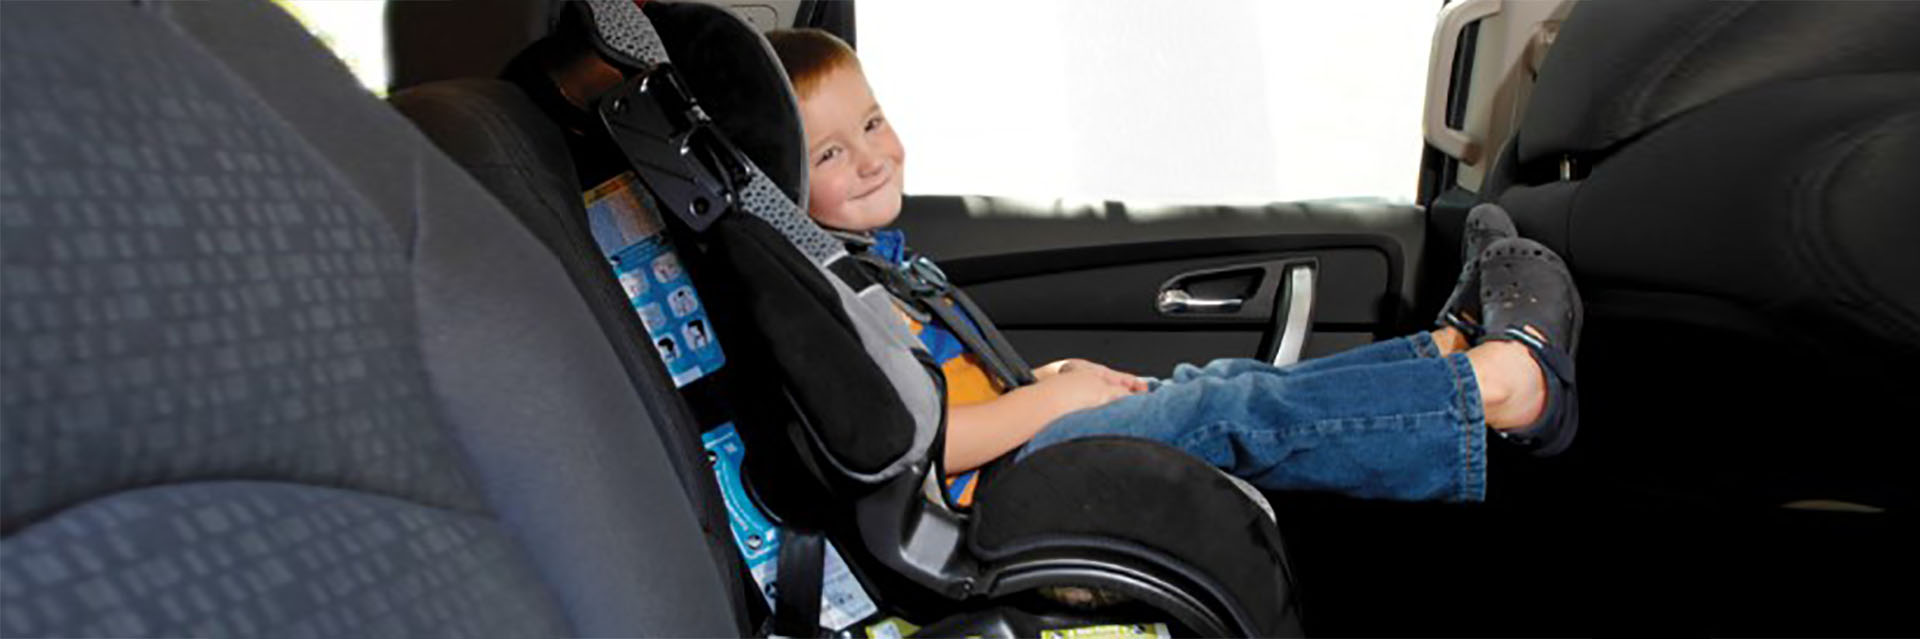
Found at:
(684, 160)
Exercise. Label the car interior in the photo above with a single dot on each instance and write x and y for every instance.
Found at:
(284, 357)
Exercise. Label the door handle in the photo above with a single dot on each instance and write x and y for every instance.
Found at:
(1298, 320)
(1178, 301)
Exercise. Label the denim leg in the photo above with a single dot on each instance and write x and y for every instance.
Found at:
(1393, 350)
(1388, 421)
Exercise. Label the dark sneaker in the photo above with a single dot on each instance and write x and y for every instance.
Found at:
(1486, 224)
(1523, 284)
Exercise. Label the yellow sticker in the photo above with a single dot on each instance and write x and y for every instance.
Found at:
(1116, 631)
(891, 628)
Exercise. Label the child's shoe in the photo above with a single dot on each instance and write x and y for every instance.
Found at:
(1523, 284)
(1486, 224)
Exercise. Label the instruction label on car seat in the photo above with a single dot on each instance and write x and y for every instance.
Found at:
(842, 601)
(1116, 631)
(629, 233)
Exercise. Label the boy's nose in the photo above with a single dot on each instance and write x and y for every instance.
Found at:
(868, 162)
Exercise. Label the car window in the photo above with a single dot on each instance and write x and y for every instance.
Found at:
(353, 29)
(1217, 101)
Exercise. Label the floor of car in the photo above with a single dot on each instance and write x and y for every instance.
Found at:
(1586, 558)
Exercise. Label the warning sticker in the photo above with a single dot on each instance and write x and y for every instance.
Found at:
(628, 232)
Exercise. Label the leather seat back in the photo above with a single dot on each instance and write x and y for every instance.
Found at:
(1730, 182)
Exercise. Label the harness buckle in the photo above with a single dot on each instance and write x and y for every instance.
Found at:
(683, 159)
(925, 276)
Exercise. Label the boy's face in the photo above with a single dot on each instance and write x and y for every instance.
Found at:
(855, 162)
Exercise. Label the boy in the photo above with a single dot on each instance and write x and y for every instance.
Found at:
(1399, 419)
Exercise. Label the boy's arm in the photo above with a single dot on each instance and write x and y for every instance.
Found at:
(979, 433)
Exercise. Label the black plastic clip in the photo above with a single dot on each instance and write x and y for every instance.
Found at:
(676, 151)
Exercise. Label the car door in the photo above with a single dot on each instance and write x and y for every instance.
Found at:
(1143, 288)
(1145, 185)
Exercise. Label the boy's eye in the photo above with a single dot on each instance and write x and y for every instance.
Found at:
(830, 153)
(875, 122)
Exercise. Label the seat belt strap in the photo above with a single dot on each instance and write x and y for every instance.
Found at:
(970, 335)
(977, 331)
(796, 602)
(925, 288)
(1023, 374)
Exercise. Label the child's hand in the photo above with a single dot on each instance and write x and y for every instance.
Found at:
(1132, 382)
(1083, 387)
(1053, 368)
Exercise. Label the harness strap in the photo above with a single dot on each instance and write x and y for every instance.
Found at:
(929, 295)
(1022, 373)
(796, 608)
(976, 342)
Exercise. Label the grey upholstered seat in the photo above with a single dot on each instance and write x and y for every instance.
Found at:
(273, 366)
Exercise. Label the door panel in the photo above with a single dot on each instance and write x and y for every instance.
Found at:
(1084, 281)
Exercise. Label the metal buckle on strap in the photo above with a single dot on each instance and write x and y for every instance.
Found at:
(925, 276)
(676, 151)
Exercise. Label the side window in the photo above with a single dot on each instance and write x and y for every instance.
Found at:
(1224, 101)
(354, 29)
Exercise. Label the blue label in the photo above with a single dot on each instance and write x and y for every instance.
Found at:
(843, 601)
(756, 537)
(628, 232)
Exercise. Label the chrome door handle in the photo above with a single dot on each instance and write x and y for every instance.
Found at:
(1178, 301)
(1298, 320)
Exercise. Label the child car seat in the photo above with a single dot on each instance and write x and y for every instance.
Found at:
(845, 415)
(273, 366)
(1730, 182)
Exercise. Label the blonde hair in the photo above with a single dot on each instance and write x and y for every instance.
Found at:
(809, 55)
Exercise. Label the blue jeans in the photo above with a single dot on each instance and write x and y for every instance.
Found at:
(1390, 420)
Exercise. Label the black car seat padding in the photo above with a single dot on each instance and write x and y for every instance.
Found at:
(1136, 491)
(821, 324)
(760, 118)
(1796, 217)
(1625, 68)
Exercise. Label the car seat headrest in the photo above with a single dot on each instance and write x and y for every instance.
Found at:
(803, 280)
(1619, 69)
(746, 95)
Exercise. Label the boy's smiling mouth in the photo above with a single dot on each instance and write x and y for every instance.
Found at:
(876, 188)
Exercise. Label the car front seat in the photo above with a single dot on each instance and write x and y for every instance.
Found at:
(1732, 185)
(274, 366)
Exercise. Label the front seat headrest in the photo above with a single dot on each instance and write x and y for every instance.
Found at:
(1618, 69)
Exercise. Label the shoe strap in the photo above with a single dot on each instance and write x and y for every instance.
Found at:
(1554, 358)
(1472, 331)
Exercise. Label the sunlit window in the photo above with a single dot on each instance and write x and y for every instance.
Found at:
(354, 29)
(1210, 101)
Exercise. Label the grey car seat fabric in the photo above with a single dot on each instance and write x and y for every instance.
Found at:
(1730, 182)
(275, 367)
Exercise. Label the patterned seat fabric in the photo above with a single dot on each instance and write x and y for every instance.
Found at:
(253, 389)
